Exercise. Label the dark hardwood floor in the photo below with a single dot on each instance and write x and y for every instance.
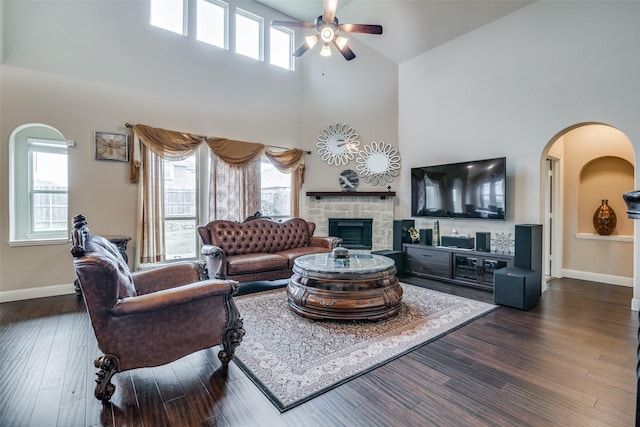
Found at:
(570, 361)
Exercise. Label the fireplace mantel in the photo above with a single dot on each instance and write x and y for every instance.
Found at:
(320, 194)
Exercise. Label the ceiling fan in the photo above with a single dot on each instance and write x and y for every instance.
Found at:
(328, 27)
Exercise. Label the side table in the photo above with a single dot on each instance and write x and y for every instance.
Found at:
(120, 242)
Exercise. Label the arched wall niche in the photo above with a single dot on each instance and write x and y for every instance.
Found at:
(605, 178)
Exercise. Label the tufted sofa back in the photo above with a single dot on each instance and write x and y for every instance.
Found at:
(257, 236)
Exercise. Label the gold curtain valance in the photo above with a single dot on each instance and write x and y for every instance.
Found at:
(176, 145)
(168, 143)
(235, 152)
(286, 161)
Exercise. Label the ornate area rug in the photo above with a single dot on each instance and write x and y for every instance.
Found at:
(292, 359)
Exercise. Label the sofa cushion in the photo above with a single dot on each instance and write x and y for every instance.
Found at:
(292, 254)
(252, 263)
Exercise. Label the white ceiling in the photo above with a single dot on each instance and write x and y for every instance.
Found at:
(411, 27)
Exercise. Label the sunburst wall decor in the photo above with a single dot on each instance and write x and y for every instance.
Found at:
(378, 163)
(338, 144)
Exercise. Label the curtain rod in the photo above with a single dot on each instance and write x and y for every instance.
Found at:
(129, 125)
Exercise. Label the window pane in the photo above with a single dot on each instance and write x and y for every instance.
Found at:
(180, 239)
(48, 186)
(180, 206)
(275, 191)
(248, 35)
(280, 48)
(49, 171)
(168, 14)
(212, 23)
(49, 212)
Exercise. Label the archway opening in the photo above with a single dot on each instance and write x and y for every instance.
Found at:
(581, 166)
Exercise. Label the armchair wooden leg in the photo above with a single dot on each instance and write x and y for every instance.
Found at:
(107, 367)
(231, 339)
(233, 333)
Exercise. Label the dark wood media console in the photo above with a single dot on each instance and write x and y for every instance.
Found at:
(454, 265)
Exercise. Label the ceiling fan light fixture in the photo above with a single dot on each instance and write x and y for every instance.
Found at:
(326, 50)
(311, 40)
(341, 42)
(327, 34)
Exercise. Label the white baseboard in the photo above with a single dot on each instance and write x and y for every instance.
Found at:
(41, 292)
(635, 304)
(598, 277)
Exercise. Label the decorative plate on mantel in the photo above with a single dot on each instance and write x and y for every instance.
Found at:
(349, 180)
(338, 144)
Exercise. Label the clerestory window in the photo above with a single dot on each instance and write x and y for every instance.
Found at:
(249, 34)
(212, 18)
(281, 48)
(169, 14)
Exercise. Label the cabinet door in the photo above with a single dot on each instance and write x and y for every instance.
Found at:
(427, 261)
(489, 266)
(465, 267)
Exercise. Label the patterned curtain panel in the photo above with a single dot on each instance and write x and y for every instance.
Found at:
(234, 191)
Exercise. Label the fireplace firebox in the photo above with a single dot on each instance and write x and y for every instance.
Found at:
(356, 233)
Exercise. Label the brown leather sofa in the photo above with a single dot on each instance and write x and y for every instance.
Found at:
(152, 317)
(259, 248)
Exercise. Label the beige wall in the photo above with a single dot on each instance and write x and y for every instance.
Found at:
(98, 65)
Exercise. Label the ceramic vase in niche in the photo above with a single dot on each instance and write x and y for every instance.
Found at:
(604, 219)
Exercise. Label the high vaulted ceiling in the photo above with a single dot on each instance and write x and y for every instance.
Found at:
(411, 27)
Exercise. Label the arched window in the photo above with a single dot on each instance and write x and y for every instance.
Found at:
(38, 190)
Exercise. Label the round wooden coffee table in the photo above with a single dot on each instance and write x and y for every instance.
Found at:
(365, 288)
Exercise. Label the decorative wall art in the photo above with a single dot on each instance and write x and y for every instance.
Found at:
(338, 144)
(112, 146)
(378, 163)
(349, 180)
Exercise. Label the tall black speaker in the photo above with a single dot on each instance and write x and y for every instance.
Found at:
(528, 245)
(401, 232)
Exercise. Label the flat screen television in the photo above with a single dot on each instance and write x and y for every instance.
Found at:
(475, 189)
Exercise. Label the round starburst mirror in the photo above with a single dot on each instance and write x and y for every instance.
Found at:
(378, 163)
(338, 144)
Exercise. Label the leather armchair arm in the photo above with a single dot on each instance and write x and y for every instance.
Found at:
(329, 242)
(161, 300)
(215, 260)
(167, 276)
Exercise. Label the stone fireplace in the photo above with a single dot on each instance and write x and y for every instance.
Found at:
(355, 205)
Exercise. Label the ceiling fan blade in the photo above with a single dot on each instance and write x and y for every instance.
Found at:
(361, 28)
(301, 50)
(329, 10)
(292, 24)
(345, 51)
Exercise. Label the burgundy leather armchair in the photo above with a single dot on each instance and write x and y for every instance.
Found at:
(152, 317)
